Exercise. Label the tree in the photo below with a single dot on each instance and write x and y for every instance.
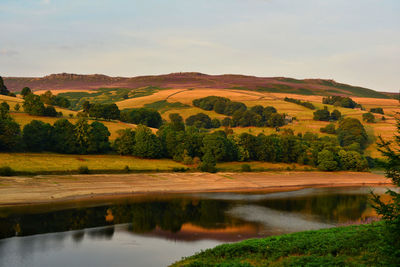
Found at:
(176, 122)
(330, 129)
(377, 110)
(147, 145)
(50, 111)
(208, 163)
(322, 114)
(368, 117)
(335, 115)
(36, 136)
(63, 137)
(199, 120)
(17, 107)
(125, 142)
(98, 138)
(26, 91)
(390, 211)
(33, 106)
(81, 130)
(352, 160)
(3, 88)
(10, 132)
(326, 161)
(350, 131)
(144, 116)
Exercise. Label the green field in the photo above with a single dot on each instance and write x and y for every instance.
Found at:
(341, 246)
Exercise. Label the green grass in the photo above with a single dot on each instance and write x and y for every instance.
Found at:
(342, 246)
(44, 163)
(163, 106)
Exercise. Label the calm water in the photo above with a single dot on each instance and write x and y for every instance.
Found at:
(158, 230)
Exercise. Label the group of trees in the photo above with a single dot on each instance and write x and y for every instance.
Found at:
(368, 117)
(49, 99)
(174, 140)
(306, 104)
(104, 111)
(34, 106)
(341, 101)
(240, 115)
(325, 115)
(377, 110)
(148, 117)
(62, 137)
(3, 88)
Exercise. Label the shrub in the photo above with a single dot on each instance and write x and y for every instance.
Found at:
(246, 168)
(6, 171)
(179, 169)
(83, 170)
(368, 117)
(126, 169)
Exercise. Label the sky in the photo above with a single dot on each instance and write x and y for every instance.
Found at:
(355, 42)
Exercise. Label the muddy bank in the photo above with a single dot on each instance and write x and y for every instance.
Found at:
(51, 188)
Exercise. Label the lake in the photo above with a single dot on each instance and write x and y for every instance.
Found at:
(160, 229)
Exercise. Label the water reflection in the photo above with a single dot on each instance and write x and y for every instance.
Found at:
(157, 230)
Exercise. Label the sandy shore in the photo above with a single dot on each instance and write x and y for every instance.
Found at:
(45, 189)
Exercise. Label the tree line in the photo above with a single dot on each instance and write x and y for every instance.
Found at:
(240, 115)
(190, 144)
(305, 104)
(341, 101)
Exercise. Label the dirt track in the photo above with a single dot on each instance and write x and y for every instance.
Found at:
(43, 189)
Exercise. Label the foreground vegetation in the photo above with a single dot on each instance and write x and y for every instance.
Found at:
(342, 246)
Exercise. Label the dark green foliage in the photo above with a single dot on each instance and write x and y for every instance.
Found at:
(105, 111)
(335, 115)
(10, 132)
(340, 246)
(50, 111)
(368, 117)
(345, 102)
(147, 145)
(215, 123)
(4, 105)
(50, 99)
(322, 114)
(176, 122)
(63, 137)
(26, 91)
(98, 138)
(220, 147)
(144, 116)
(33, 105)
(81, 131)
(125, 142)
(17, 107)
(3, 88)
(241, 116)
(305, 104)
(352, 160)
(390, 211)
(351, 131)
(6, 171)
(37, 136)
(326, 161)
(164, 105)
(377, 110)
(330, 129)
(199, 120)
(208, 163)
(83, 170)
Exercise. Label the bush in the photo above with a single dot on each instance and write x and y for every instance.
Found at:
(368, 117)
(246, 168)
(83, 170)
(6, 171)
(126, 169)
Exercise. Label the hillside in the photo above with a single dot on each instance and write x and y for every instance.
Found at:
(65, 81)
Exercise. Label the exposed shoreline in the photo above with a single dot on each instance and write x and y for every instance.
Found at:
(18, 191)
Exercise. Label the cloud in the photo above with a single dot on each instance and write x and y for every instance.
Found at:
(45, 2)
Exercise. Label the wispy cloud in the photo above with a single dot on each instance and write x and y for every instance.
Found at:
(8, 52)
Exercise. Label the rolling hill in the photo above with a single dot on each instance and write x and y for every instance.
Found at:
(65, 81)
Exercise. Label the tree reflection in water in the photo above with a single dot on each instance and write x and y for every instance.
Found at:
(170, 214)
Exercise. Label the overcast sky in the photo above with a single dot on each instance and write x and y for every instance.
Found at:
(350, 41)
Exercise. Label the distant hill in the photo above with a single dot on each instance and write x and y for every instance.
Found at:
(66, 81)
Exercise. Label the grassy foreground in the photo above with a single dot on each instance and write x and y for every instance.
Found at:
(341, 246)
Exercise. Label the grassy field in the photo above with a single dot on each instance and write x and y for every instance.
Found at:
(52, 162)
(48, 163)
(342, 246)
